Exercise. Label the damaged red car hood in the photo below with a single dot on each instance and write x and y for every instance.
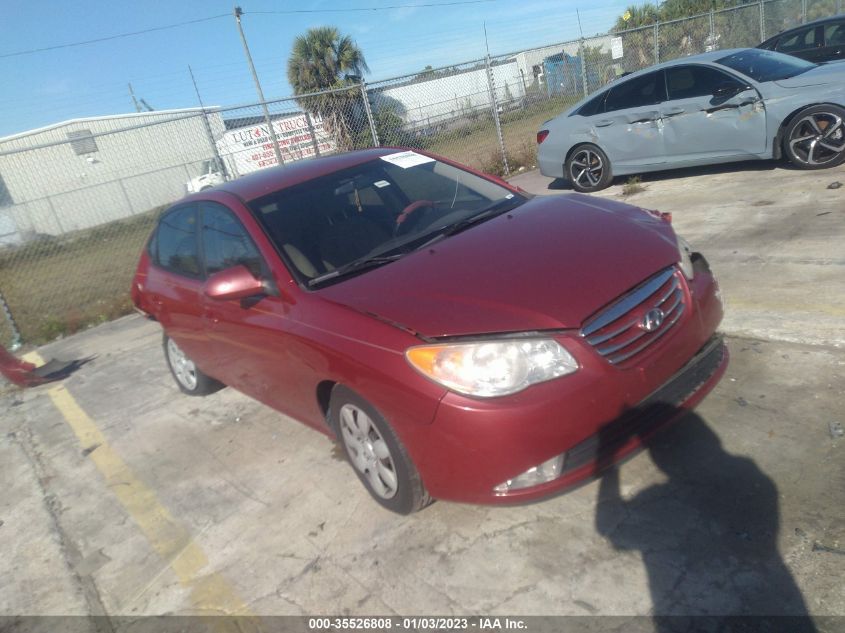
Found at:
(548, 264)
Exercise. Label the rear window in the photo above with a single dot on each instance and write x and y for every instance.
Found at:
(593, 106)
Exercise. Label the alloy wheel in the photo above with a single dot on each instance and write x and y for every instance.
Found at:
(368, 451)
(818, 138)
(184, 368)
(586, 168)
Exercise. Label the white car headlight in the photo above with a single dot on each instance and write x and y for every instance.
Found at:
(492, 368)
(685, 262)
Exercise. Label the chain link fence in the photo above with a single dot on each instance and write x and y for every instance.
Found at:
(78, 199)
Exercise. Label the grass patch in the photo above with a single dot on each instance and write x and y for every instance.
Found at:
(477, 144)
(632, 186)
(57, 286)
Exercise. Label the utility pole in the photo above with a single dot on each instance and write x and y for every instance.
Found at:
(238, 12)
(134, 100)
(208, 130)
(582, 53)
(494, 105)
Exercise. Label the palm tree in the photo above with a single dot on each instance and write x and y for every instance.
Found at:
(638, 41)
(323, 59)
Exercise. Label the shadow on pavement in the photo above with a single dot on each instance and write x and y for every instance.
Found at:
(708, 535)
(24, 374)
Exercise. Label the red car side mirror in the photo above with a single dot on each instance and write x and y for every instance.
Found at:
(234, 283)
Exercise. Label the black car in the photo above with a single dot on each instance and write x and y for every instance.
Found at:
(819, 41)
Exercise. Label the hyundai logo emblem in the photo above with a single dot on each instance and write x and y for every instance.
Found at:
(652, 320)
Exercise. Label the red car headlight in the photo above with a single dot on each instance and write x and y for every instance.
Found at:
(492, 368)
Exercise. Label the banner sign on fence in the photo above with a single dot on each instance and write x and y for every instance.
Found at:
(250, 148)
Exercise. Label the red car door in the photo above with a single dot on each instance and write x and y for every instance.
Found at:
(175, 282)
(250, 340)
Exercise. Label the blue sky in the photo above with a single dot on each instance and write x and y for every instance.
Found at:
(51, 86)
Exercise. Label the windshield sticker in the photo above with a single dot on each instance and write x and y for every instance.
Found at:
(407, 159)
(381, 183)
(509, 196)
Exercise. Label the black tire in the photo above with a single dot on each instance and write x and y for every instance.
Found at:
(588, 169)
(187, 375)
(815, 137)
(403, 491)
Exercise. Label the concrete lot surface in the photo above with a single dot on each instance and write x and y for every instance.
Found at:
(123, 497)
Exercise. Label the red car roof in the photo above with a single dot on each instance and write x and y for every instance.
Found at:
(266, 181)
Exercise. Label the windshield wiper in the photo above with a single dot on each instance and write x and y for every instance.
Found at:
(354, 266)
(483, 215)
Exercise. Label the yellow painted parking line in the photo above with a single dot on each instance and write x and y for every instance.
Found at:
(211, 594)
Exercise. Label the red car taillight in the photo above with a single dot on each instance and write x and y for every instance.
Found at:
(541, 136)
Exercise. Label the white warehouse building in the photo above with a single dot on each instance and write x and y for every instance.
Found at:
(85, 172)
(449, 95)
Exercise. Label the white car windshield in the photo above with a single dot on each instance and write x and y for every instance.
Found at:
(762, 65)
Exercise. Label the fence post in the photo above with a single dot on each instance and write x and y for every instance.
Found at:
(712, 30)
(657, 42)
(126, 196)
(313, 134)
(188, 176)
(582, 54)
(208, 132)
(762, 22)
(366, 99)
(803, 11)
(495, 106)
(55, 215)
(16, 335)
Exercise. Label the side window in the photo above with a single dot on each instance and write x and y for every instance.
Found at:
(176, 242)
(225, 242)
(802, 40)
(834, 34)
(686, 82)
(637, 92)
(593, 106)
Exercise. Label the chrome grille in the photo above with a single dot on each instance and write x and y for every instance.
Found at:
(623, 329)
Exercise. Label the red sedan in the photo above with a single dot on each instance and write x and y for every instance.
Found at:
(461, 339)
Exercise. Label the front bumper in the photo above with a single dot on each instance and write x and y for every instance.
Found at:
(679, 394)
(596, 416)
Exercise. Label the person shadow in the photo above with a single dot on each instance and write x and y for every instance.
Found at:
(707, 535)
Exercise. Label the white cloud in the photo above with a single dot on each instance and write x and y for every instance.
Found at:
(55, 87)
(400, 15)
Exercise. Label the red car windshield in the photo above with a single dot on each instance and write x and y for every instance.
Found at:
(374, 213)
